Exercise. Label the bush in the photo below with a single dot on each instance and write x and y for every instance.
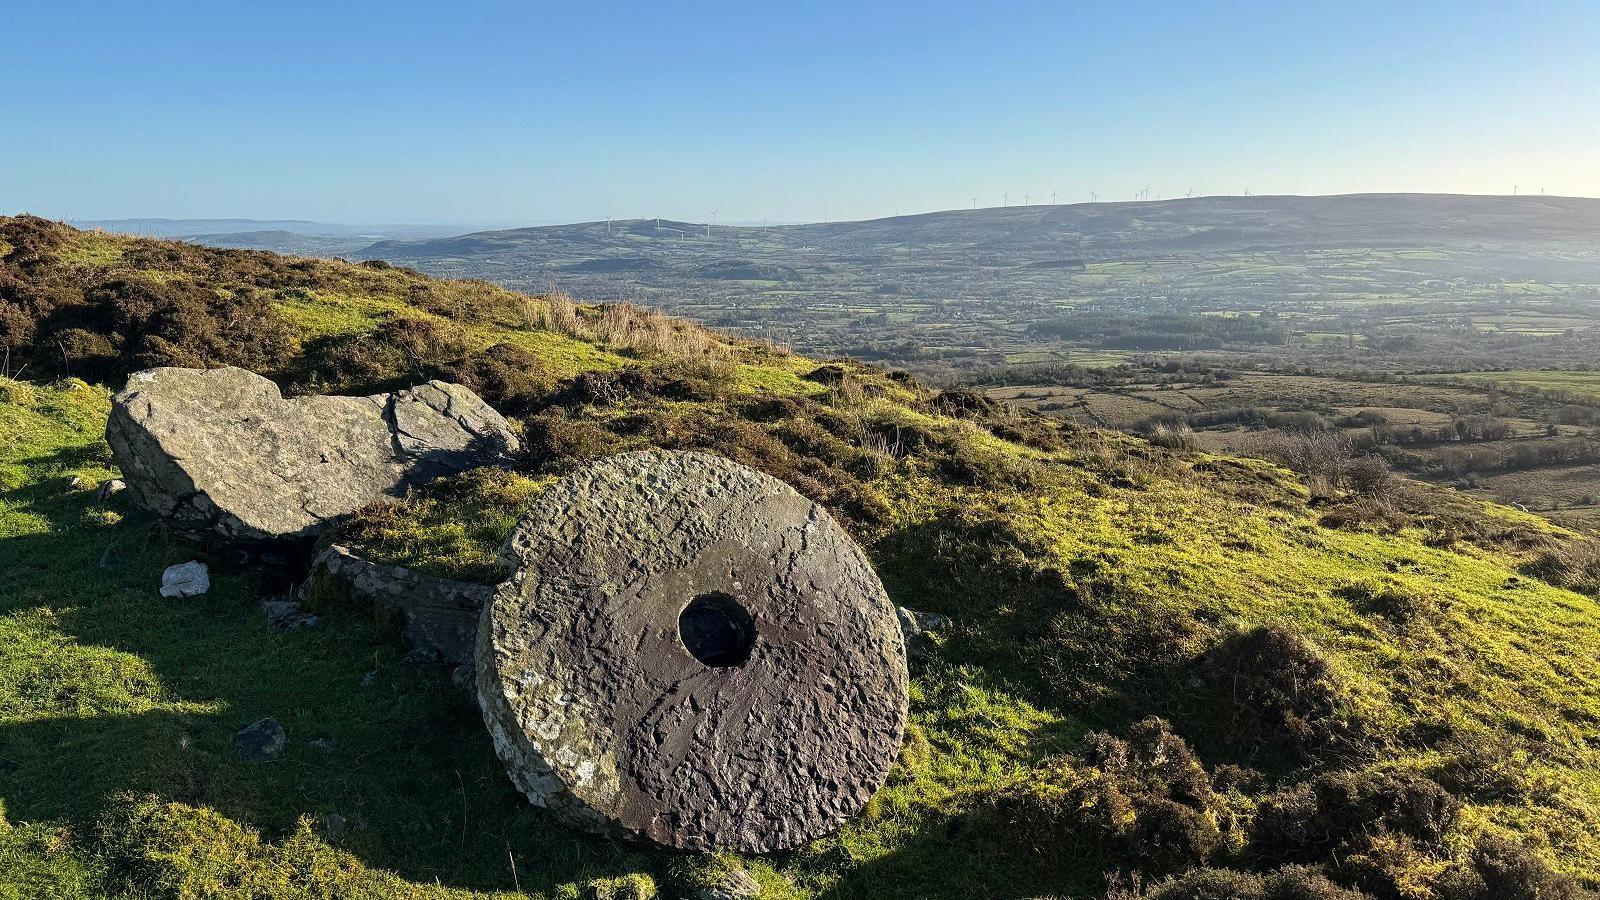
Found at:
(1392, 601)
(511, 379)
(1279, 692)
(17, 393)
(1173, 437)
(556, 441)
(1288, 883)
(1340, 813)
(1574, 564)
(1501, 870)
(398, 353)
(1139, 803)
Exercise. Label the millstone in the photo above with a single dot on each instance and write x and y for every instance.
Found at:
(690, 652)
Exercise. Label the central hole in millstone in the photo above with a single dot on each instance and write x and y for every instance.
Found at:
(716, 630)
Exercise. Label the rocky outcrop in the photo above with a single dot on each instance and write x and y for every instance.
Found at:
(690, 652)
(222, 452)
(437, 616)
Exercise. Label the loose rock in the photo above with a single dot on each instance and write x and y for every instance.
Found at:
(733, 884)
(261, 742)
(438, 616)
(919, 629)
(690, 652)
(221, 451)
(335, 826)
(190, 579)
(111, 488)
(286, 615)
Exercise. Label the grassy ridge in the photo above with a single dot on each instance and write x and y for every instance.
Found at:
(1160, 664)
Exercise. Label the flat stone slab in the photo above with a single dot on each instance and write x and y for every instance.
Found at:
(690, 652)
(221, 452)
(436, 615)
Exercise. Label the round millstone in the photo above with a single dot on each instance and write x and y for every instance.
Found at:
(690, 652)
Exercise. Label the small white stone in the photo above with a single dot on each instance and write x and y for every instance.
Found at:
(190, 579)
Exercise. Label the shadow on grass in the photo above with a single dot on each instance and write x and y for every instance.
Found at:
(115, 690)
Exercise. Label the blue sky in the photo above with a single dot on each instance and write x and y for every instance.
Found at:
(534, 112)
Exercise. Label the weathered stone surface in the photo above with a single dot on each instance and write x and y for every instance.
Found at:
(732, 884)
(286, 615)
(190, 579)
(690, 652)
(262, 741)
(437, 615)
(221, 452)
(919, 629)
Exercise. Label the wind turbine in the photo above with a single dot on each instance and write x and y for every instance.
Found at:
(1005, 199)
(711, 223)
(1052, 198)
(1025, 198)
(974, 201)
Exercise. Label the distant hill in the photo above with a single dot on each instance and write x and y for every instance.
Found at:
(1101, 230)
(299, 236)
(944, 291)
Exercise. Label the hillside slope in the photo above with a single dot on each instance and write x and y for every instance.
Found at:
(1167, 673)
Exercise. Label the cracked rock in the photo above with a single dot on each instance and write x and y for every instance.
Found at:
(691, 653)
(222, 452)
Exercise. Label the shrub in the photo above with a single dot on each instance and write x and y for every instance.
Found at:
(1573, 564)
(1173, 437)
(511, 379)
(556, 441)
(17, 393)
(1488, 767)
(965, 403)
(397, 353)
(1140, 803)
(1288, 883)
(1392, 601)
(1501, 870)
(1364, 514)
(1341, 812)
(1279, 693)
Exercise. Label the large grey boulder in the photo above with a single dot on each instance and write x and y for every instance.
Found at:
(221, 452)
(689, 652)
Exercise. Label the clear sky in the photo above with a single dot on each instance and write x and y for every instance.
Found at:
(540, 112)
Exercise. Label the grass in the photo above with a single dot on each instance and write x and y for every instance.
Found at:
(1584, 385)
(1092, 580)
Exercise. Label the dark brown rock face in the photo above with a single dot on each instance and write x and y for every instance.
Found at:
(690, 652)
(221, 452)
